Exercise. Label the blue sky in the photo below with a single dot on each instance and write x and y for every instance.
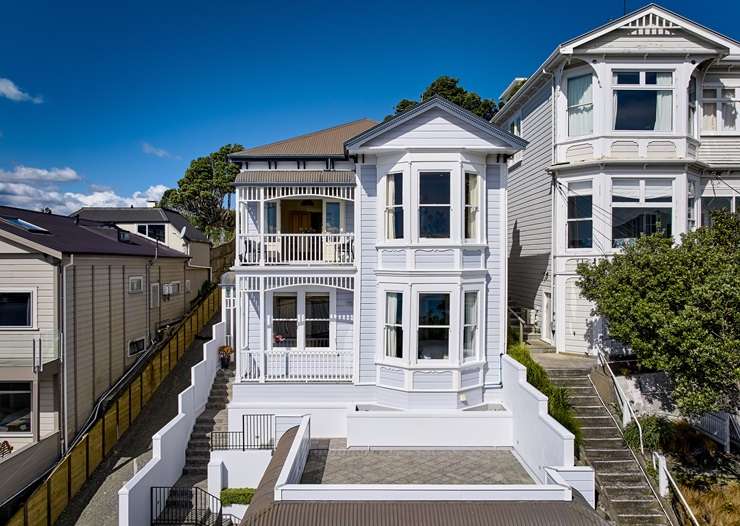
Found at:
(105, 102)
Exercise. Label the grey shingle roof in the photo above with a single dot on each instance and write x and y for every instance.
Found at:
(338, 177)
(327, 143)
(265, 511)
(66, 235)
(142, 215)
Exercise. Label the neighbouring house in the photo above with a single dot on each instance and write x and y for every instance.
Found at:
(164, 225)
(632, 129)
(80, 302)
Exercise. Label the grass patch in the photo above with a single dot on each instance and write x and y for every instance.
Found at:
(231, 496)
(718, 506)
(558, 400)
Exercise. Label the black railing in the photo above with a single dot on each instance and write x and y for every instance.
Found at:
(258, 432)
(188, 506)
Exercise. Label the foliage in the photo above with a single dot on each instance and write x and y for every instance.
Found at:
(236, 496)
(718, 506)
(657, 433)
(677, 306)
(450, 89)
(201, 191)
(558, 402)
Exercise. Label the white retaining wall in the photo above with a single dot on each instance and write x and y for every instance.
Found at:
(170, 442)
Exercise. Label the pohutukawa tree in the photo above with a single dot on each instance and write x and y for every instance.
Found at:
(677, 306)
(449, 88)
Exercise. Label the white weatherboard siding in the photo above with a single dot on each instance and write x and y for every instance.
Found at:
(344, 321)
(720, 151)
(578, 317)
(530, 206)
(495, 204)
(368, 190)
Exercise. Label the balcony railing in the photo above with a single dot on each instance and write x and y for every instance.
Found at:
(296, 249)
(281, 365)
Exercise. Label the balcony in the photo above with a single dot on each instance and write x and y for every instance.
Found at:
(296, 249)
(283, 365)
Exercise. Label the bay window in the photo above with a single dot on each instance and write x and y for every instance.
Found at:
(285, 320)
(643, 100)
(580, 105)
(720, 107)
(434, 326)
(16, 309)
(434, 205)
(15, 407)
(640, 207)
(580, 222)
(393, 329)
(394, 206)
(714, 203)
(691, 206)
(471, 206)
(470, 325)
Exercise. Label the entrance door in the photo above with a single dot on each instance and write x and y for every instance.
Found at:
(547, 317)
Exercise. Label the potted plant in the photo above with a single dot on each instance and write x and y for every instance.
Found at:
(224, 353)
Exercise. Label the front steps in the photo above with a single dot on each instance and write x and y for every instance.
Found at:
(623, 488)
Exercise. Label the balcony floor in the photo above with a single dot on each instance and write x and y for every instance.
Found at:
(330, 462)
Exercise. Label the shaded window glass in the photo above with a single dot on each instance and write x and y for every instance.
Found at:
(393, 324)
(271, 218)
(434, 329)
(579, 206)
(333, 221)
(434, 188)
(394, 206)
(156, 232)
(434, 209)
(285, 321)
(627, 77)
(628, 224)
(15, 309)
(711, 204)
(470, 324)
(643, 110)
(580, 234)
(15, 407)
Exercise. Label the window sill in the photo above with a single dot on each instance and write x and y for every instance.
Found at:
(719, 134)
(435, 364)
(19, 329)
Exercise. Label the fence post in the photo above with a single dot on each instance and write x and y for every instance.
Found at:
(662, 475)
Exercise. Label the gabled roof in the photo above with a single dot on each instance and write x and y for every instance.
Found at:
(56, 235)
(323, 143)
(127, 215)
(440, 102)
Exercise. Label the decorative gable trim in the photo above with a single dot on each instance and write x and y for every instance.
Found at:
(511, 141)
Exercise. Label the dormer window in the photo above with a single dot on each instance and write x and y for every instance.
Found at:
(643, 101)
(580, 106)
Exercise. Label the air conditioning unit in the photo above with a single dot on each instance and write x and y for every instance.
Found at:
(530, 315)
(166, 289)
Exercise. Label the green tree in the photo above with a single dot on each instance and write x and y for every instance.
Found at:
(450, 89)
(677, 306)
(201, 192)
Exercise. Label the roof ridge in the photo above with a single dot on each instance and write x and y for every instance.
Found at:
(307, 134)
(37, 212)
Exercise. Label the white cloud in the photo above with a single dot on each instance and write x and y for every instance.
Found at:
(150, 149)
(24, 195)
(9, 90)
(27, 173)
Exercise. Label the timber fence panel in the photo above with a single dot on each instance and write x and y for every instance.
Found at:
(37, 507)
(94, 447)
(146, 384)
(164, 356)
(135, 398)
(110, 429)
(77, 467)
(59, 489)
(124, 411)
(19, 519)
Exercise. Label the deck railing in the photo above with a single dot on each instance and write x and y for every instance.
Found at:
(296, 249)
(281, 365)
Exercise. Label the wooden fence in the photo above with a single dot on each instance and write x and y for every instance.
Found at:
(222, 258)
(50, 499)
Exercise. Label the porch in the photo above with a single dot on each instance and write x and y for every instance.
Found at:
(281, 365)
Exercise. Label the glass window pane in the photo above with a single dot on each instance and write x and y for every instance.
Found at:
(434, 188)
(394, 223)
(579, 207)
(709, 119)
(630, 223)
(471, 189)
(729, 116)
(15, 407)
(394, 191)
(471, 222)
(580, 234)
(710, 204)
(317, 306)
(394, 341)
(394, 308)
(728, 93)
(708, 93)
(317, 333)
(271, 217)
(285, 306)
(285, 334)
(434, 309)
(469, 342)
(15, 309)
(434, 343)
(645, 110)
(625, 190)
(471, 308)
(332, 219)
(141, 229)
(434, 221)
(658, 190)
(157, 232)
(627, 77)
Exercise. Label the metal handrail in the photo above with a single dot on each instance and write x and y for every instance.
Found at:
(661, 466)
(622, 398)
(521, 321)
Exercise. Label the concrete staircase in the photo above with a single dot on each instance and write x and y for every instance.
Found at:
(213, 418)
(624, 491)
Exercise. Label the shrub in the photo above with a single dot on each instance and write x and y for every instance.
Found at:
(719, 506)
(558, 400)
(657, 432)
(236, 496)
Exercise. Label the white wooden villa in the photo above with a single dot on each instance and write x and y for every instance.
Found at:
(632, 129)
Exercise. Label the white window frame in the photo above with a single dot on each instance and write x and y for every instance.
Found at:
(719, 100)
(386, 325)
(641, 203)
(476, 208)
(569, 220)
(33, 291)
(342, 226)
(136, 279)
(33, 419)
(301, 318)
(571, 76)
(477, 339)
(515, 126)
(642, 86)
(128, 347)
(452, 173)
(147, 225)
(387, 208)
(154, 298)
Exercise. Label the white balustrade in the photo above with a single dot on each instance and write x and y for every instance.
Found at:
(284, 365)
(296, 249)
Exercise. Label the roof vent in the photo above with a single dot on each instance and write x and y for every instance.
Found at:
(124, 236)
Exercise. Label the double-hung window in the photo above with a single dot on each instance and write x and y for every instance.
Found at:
(711, 204)
(691, 206)
(317, 320)
(434, 205)
(720, 108)
(301, 320)
(285, 320)
(15, 407)
(580, 222)
(470, 325)
(472, 208)
(580, 106)
(643, 100)
(691, 123)
(434, 326)
(393, 328)
(16, 309)
(640, 207)
(394, 206)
